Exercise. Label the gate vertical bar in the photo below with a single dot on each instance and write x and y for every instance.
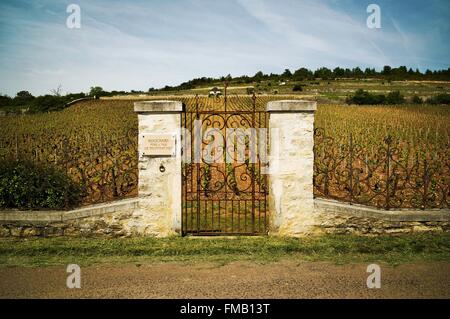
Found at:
(253, 174)
(198, 159)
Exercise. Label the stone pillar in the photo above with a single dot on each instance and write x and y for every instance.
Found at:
(291, 161)
(159, 212)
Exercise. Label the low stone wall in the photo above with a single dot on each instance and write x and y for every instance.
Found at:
(117, 219)
(125, 218)
(332, 217)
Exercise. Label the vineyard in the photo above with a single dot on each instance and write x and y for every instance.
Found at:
(388, 157)
(380, 155)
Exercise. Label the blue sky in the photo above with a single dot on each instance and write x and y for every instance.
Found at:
(124, 45)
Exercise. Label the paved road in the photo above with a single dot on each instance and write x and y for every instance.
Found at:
(286, 279)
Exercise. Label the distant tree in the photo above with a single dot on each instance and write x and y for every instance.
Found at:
(258, 76)
(323, 73)
(386, 70)
(302, 74)
(246, 79)
(167, 88)
(286, 74)
(5, 100)
(357, 72)
(22, 98)
(24, 95)
(348, 73)
(339, 72)
(402, 70)
(96, 91)
(57, 91)
(369, 72)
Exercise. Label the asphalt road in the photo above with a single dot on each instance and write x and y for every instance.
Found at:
(286, 279)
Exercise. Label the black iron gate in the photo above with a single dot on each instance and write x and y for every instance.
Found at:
(225, 185)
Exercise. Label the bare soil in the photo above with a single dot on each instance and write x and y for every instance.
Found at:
(284, 279)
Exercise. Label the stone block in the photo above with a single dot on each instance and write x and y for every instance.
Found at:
(162, 106)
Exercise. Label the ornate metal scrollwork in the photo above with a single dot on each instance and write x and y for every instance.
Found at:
(106, 170)
(389, 178)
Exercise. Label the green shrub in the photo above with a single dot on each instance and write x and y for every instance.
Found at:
(44, 103)
(5, 100)
(297, 88)
(48, 103)
(363, 97)
(416, 99)
(395, 98)
(443, 98)
(26, 185)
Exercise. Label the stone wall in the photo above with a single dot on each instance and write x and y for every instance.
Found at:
(332, 217)
(117, 219)
(124, 219)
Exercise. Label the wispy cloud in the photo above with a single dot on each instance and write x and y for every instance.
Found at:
(139, 44)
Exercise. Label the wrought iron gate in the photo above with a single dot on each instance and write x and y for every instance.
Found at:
(225, 193)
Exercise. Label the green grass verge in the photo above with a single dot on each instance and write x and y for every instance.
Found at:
(337, 249)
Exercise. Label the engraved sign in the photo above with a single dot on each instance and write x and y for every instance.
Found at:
(158, 144)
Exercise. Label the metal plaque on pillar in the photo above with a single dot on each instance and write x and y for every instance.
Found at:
(158, 144)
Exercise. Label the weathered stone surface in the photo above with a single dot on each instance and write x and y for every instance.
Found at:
(158, 106)
(126, 219)
(291, 106)
(104, 220)
(332, 217)
(291, 168)
(16, 231)
(31, 231)
(159, 211)
(4, 231)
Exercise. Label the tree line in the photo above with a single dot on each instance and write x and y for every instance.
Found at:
(24, 100)
(304, 74)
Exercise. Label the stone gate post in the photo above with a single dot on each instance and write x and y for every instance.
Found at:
(291, 161)
(159, 149)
